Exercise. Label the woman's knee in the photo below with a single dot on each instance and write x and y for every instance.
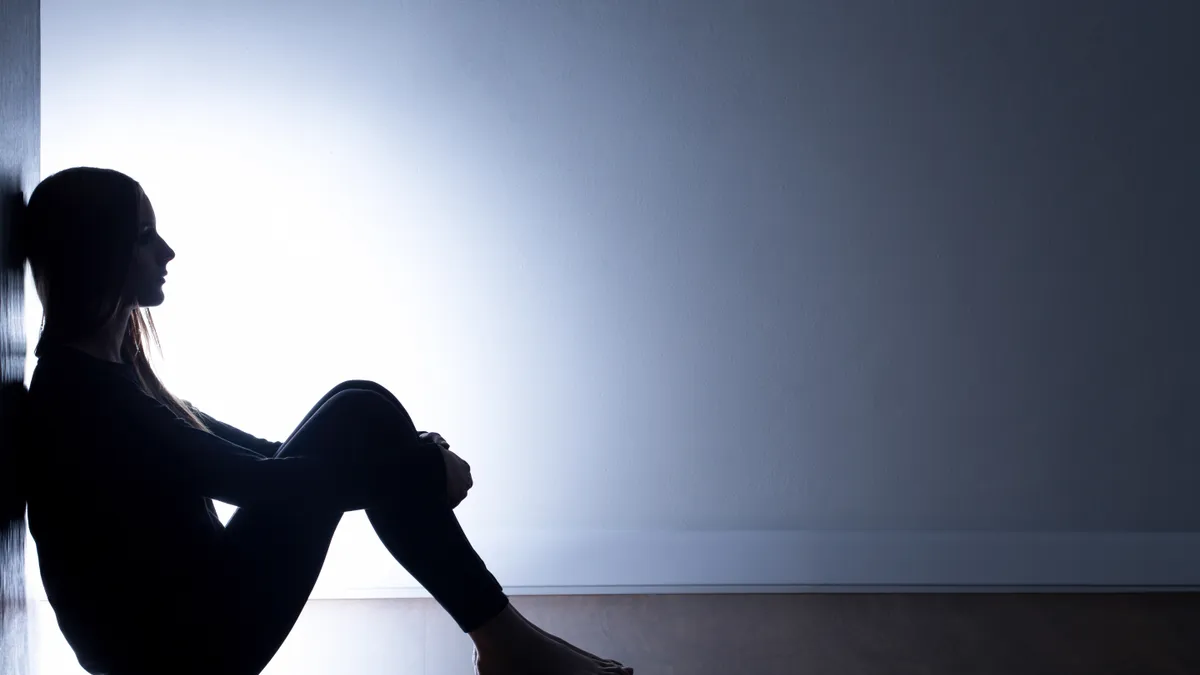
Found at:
(368, 410)
(352, 420)
(366, 385)
(354, 402)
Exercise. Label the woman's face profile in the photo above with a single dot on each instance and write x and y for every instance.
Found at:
(148, 269)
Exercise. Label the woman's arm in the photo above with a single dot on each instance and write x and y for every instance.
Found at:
(232, 434)
(144, 440)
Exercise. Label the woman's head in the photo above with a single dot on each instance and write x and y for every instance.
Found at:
(98, 262)
(94, 250)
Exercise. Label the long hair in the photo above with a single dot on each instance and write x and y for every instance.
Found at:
(80, 231)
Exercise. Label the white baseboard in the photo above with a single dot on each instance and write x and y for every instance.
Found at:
(531, 562)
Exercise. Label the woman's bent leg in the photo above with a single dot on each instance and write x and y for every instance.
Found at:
(273, 557)
(425, 537)
(283, 552)
(276, 554)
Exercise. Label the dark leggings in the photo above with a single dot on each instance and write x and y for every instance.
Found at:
(277, 553)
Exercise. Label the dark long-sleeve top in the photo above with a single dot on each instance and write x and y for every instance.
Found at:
(120, 490)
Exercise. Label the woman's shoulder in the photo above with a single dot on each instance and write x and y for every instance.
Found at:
(55, 395)
(59, 381)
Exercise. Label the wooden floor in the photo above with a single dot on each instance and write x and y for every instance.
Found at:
(825, 634)
(845, 634)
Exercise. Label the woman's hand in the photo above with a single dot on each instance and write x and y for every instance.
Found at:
(433, 437)
(458, 472)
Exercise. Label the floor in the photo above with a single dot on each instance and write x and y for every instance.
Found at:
(844, 634)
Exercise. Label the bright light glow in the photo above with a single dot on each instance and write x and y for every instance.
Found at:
(319, 239)
(296, 272)
(528, 220)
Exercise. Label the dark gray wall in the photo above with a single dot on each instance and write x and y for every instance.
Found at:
(19, 120)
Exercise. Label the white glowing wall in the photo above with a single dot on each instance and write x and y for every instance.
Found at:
(706, 292)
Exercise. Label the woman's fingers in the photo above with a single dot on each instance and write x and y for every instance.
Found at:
(458, 478)
(434, 437)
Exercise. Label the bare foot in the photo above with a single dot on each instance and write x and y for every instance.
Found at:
(511, 645)
(568, 645)
(549, 658)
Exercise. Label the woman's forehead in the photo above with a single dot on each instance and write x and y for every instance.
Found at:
(146, 210)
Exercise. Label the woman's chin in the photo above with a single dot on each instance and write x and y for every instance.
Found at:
(151, 299)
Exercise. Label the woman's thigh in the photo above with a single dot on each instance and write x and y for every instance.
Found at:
(276, 553)
(350, 385)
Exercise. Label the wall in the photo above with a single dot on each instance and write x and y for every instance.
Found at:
(874, 287)
(19, 107)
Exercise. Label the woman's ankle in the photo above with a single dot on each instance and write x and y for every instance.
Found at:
(506, 631)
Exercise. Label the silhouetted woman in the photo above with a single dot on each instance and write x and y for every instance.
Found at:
(141, 574)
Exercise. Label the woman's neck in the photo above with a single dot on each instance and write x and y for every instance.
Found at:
(105, 344)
